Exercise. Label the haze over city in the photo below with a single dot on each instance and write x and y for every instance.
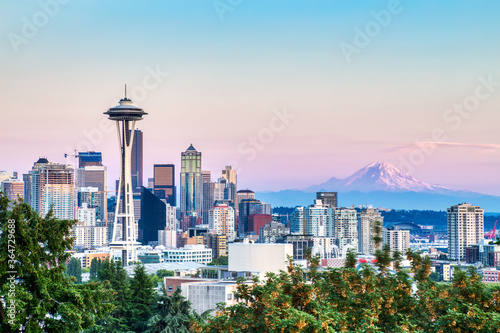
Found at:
(290, 93)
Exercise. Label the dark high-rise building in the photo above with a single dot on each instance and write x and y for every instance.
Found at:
(164, 183)
(137, 164)
(191, 182)
(88, 158)
(247, 207)
(208, 195)
(327, 198)
(153, 216)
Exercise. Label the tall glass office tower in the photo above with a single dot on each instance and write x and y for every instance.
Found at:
(191, 183)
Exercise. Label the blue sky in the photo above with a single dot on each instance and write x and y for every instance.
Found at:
(226, 79)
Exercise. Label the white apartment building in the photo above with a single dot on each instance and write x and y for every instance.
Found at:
(345, 229)
(465, 227)
(221, 220)
(397, 239)
(366, 223)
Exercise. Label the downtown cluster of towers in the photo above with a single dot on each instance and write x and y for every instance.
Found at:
(149, 214)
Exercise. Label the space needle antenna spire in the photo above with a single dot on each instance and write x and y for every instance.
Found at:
(125, 230)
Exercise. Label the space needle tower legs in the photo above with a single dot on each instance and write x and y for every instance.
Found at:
(124, 236)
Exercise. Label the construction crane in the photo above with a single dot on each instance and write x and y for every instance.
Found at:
(491, 234)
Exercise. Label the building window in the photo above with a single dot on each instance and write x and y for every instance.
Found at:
(229, 297)
(170, 288)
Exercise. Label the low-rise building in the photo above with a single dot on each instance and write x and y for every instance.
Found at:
(273, 232)
(491, 275)
(205, 296)
(194, 253)
(259, 257)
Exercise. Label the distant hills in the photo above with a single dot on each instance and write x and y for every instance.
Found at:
(383, 185)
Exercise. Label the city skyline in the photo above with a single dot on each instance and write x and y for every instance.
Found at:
(408, 94)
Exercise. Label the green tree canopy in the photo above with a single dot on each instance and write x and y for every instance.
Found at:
(33, 253)
(75, 269)
(360, 299)
(220, 261)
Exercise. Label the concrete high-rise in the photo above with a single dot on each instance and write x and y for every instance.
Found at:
(124, 227)
(465, 227)
(13, 189)
(397, 239)
(366, 224)
(164, 183)
(191, 183)
(221, 220)
(51, 186)
(345, 229)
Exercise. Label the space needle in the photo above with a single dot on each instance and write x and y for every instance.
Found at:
(124, 229)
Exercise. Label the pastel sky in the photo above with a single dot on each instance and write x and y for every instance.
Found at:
(412, 83)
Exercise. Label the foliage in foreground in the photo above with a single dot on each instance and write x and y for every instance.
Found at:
(36, 294)
(361, 299)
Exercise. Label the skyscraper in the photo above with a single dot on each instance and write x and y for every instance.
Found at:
(88, 158)
(91, 173)
(153, 217)
(222, 221)
(327, 198)
(137, 161)
(92, 198)
(164, 182)
(366, 224)
(124, 228)
(397, 239)
(51, 185)
(229, 175)
(465, 227)
(345, 229)
(191, 183)
(13, 188)
(247, 207)
(208, 195)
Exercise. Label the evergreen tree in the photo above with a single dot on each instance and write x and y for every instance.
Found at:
(95, 264)
(143, 298)
(33, 250)
(172, 314)
(120, 319)
(75, 269)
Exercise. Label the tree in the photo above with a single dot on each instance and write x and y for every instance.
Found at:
(368, 299)
(95, 265)
(172, 314)
(33, 250)
(220, 261)
(75, 269)
(143, 298)
(161, 273)
(120, 319)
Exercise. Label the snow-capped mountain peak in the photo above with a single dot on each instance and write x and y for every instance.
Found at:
(379, 176)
